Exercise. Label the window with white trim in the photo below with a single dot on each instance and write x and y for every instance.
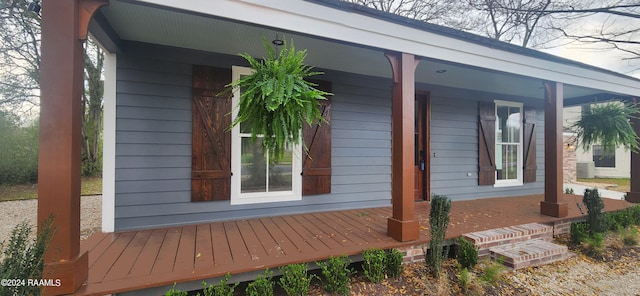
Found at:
(508, 143)
(257, 178)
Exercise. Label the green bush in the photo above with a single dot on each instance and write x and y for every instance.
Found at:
(23, 259)
(492, 273)
(579, 231)
(439, 222)
(295, 279)
(569, 191)
(629, 236)
(221, 289)
(595, 216)
(374, 264)
(619, 219)
(594, 244)
(18, 151)
(261, 286)
(393, 262)
(466, 253)
(337, 274)
(634, 212)
(175, 292)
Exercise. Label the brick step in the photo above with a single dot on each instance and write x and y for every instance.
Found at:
(529, 253)
(484, 240)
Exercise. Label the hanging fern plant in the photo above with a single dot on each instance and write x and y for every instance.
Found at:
(276, 100)
(608, 125)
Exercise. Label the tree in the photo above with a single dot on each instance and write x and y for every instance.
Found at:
(20, 77)
(92, 109)
(19, 57)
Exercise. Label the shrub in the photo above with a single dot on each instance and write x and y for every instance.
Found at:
(594, 244)
(374, 264)
(492, 273)
(629, 236)
(22, 259)
(18, 151)
(175, 292)
(634, 212)
(466, 253)
(468, 283)
(337, 274)
(261, 286)
(569, 191)
(579, 231)
(619, 219)
(295, 279)
(393, 262)
(221, 289)
(595, 216)
(439, 221)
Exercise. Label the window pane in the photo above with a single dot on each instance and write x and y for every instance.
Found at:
(507, 166)
(280, 174)
(508, 124)
(603, 158)
(253, 167)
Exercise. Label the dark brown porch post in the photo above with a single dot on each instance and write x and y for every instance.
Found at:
(634, 194)
(64, 24)
(403, 226)
(553, 181)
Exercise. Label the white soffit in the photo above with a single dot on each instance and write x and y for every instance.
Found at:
(319, 20)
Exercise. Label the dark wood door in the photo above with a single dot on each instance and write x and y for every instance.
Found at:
(422, 147)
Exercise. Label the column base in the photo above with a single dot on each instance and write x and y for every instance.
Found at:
(70, 273)
(633, 197)
(553, 209)
(403, 230)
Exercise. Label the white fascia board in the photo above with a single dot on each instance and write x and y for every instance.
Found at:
(323, 21)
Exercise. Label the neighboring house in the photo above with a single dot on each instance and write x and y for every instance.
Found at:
(418, 109)
(596, 162)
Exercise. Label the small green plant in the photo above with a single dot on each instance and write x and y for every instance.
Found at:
(629, 236)
(221, 289)
(619, 219)
(578, 232)
(466, 253)
(295, 279)
(634, 212)
(594, 245)
(262, 285)
(393, 262)
(337, 274)
(439, 222)
(175, 292)
(23, 258)
(492, 273)
(468, 283)
(595, 217)
(374, 264)
(569, 190)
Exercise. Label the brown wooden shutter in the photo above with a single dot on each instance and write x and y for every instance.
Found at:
(529, 145)
(487, 144)
(211, 142)
(316, 165)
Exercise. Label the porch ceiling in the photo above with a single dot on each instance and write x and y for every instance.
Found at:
(130, 21)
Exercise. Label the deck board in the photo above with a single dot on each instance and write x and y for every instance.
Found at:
(204, 248)
(123, 265)
(143, 259)
(167, 254)
(144, 263)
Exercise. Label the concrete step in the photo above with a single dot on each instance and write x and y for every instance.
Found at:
(528, 253)
(484, 240)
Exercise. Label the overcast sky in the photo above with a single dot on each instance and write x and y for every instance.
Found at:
(600, 55)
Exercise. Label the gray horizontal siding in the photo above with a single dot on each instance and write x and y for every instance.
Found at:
(454, 145)
(153, 150)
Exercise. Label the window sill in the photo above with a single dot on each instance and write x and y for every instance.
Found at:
(264, 198)
(508, 184)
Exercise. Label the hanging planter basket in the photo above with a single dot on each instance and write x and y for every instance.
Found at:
(608, 125)
(276, 100)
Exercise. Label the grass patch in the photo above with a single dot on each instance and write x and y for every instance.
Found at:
(89, 186)
(622, 183)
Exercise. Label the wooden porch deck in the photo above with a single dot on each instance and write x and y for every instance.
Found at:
(144, 259)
